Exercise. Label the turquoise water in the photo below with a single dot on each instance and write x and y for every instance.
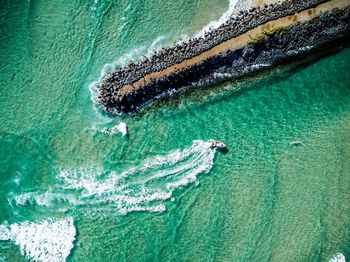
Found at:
(265, 200)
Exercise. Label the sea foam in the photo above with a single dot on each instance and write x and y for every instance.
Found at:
(223, 18)
(339, 257)
(46, 199)
(120, 128)
(47, 241)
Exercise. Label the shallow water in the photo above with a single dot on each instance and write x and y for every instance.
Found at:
(265, 200)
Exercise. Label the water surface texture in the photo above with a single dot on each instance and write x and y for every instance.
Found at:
(281, 192)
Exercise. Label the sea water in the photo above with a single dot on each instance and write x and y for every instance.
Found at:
(160, 193)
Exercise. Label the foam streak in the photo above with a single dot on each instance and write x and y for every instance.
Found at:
(142, 188)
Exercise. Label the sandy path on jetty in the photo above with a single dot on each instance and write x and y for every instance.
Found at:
(237, 42)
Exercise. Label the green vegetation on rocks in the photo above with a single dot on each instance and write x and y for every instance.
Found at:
(267, 32)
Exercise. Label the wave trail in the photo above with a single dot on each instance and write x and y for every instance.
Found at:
(46, 241)
(142, 188)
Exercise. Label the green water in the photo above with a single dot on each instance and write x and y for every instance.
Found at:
(265, 200)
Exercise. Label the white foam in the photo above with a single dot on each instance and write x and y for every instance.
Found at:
(157, 44)
(122, 61)
(339, 257)
(5, 232)
(120, 128)
(47, 199)
(144, 187)
(104, 130)
(127, 57)
(47, 241)
(299, 50)
(222, 75)
(216, 23)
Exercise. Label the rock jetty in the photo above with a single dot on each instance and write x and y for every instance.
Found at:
(253, 40)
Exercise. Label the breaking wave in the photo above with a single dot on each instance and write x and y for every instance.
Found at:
(216, 23)
(47, 241)
(142, 188)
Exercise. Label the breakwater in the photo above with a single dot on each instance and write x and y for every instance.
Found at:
(255, 39)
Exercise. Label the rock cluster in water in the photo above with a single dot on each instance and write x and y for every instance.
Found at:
(282, 45)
